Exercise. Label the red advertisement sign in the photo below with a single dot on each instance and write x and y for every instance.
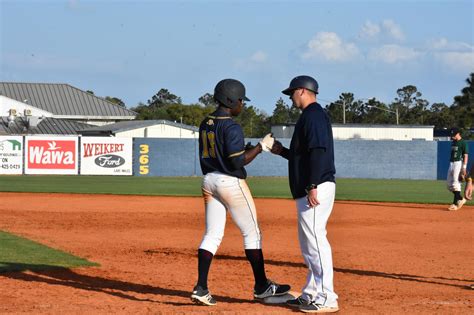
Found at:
(51, 154)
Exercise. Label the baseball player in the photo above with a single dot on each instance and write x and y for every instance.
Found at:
(313, 186)
(457, 168)
(222, 156)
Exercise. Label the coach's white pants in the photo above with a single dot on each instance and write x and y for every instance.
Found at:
(222, 192)
(453, 176)
(315, 246)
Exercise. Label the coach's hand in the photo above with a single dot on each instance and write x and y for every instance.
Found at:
(277, 147)
(313, 197)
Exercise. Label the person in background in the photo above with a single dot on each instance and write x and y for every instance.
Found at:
(457, 168)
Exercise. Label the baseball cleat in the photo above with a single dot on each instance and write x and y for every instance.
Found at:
(202, 296)
(318, 308)
(299, 301)
(272, 289)
(452, 207)
(461, 203)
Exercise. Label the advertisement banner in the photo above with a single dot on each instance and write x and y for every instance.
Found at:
(11, 155)
(51, 155)
(106, 156)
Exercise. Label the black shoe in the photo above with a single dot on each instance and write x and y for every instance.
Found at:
(272, 289)
(202, 296)
(319, 308)
(299, 301)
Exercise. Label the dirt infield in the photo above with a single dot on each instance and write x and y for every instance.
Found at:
(389, 258)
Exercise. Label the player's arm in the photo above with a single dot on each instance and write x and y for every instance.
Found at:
(468, 189)
(244, 157)
(239, 155)
(464, 165)
(251, 153)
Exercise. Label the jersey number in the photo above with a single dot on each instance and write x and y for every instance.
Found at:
(208, 144)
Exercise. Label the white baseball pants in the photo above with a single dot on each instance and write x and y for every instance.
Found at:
(315, 246)
(221, 193)
(452, 181)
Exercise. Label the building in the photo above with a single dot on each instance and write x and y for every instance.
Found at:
(366, 132)
(144, 129)
(59, 101)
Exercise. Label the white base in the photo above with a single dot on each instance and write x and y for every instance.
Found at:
(281, 299)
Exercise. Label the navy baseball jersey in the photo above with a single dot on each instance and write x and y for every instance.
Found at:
(311, 153)
(221, 145)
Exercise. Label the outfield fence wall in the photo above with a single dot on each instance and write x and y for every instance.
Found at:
(417, 159)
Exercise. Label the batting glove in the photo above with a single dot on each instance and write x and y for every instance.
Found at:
(267, 142)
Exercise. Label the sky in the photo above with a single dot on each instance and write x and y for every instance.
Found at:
(132, 49)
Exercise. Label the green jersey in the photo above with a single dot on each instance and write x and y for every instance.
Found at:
(458, 149)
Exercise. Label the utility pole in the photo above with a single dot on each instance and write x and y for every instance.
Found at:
(344, 111)
(387, 110)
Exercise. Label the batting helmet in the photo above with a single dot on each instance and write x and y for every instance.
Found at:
(302, 81)
(229, 91)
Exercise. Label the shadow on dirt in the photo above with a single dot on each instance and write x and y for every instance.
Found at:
(368, 273)
(54, 275)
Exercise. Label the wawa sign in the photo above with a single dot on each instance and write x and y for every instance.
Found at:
(51, 155)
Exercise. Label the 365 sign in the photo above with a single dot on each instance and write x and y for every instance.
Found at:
(51, 155)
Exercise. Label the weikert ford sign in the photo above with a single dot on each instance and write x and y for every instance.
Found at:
(106, 156)
(51, 155)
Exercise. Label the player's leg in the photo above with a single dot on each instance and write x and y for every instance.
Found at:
(455, 168)
(238, 199)
(315, 246)
(451, 184)
(215, 217)
(243, 211)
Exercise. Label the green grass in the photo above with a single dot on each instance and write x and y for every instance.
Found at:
(20, 254)
(385, 190)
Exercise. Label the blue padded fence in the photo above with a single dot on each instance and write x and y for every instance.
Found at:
(416, 159)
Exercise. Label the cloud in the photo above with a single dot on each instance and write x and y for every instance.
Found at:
(457, 56)
(259, 56)
(442, 44)
(387, 28)
(393, 29)
(457, 61)
(369, 30)
(73, 4)
(393, 54)
(256, 60)
(328, 46)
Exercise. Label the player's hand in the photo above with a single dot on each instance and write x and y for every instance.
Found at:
(249, 146)
(468, 191)
(277, 147)
(267, 142)
(313, 197)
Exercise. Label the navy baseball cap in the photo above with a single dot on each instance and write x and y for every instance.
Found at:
(455, 131)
